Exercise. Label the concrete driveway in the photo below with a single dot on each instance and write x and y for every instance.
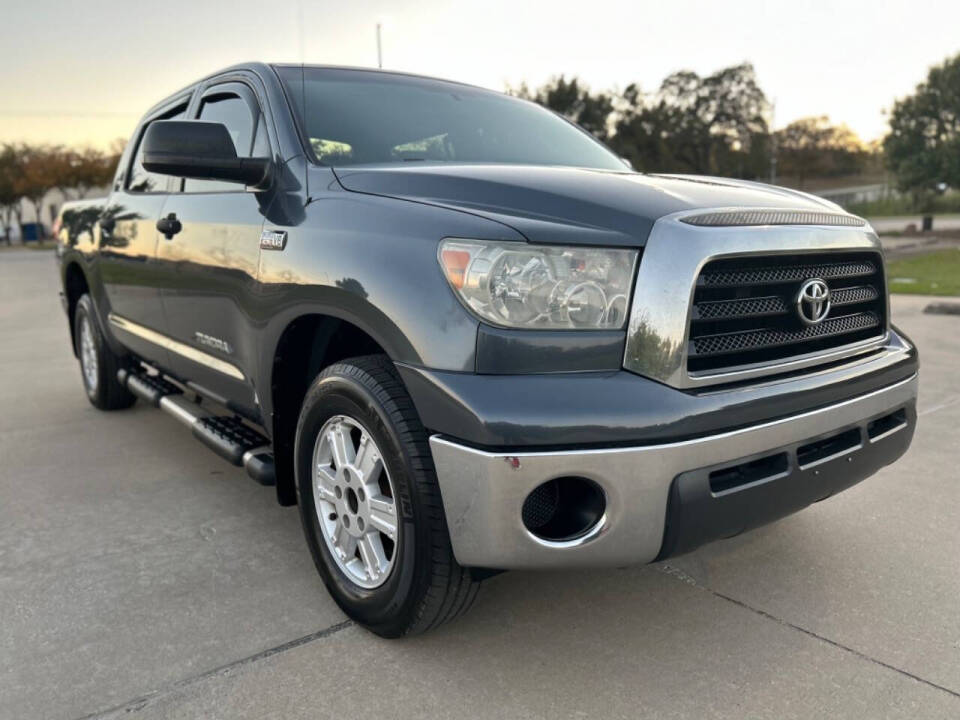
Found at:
(141, 576)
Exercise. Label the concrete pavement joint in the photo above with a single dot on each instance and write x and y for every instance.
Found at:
(683, 577)
(947, 403)
(137, 704)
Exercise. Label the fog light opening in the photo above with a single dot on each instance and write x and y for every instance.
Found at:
(564, 508)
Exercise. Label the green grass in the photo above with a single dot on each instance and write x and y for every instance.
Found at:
(904, 205)
(936, 273)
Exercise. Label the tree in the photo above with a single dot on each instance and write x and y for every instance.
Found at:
(36, 175)
(78, 171)
(923, 146)
(29, 172)
(712, 125)
(813, 147)
(575, 102)
(643, 133)
(9, 195)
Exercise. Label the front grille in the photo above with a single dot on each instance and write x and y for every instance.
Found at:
(745, 309)
(753, 339)
(780, 273)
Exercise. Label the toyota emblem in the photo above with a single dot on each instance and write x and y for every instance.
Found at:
(813, 301)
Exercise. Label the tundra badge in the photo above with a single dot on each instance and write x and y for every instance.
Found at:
(213, 342)
(273, 239)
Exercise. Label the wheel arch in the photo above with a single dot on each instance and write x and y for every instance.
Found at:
(75, 284)
(307, 344)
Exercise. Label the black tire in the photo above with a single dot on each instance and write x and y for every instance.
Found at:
(426, 587)
(105, 392)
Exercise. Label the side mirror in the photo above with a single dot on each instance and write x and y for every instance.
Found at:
(201, 150)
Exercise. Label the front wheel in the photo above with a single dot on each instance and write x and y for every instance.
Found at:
(370, 503)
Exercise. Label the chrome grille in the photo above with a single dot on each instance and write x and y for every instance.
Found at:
(764, 276)
(739, 308)
(744, 309)
(847, 296)
(714, 344)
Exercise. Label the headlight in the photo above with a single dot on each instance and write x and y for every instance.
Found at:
(541, 286)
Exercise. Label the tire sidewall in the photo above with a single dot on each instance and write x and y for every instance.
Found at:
(85, 312)
(337, 394)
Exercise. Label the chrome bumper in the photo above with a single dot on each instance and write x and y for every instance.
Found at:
(483, 492)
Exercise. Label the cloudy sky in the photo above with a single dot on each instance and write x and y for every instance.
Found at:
(83, 72)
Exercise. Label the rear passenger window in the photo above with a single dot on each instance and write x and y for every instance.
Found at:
(233, 112)
(138, 179)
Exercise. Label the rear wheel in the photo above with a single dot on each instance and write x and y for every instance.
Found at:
(98, 364)
(370, 503)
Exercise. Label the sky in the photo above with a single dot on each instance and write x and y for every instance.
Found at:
(82, 73)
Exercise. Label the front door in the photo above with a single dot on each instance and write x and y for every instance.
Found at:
(211, 262)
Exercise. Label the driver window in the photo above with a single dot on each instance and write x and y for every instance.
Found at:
(233, 112)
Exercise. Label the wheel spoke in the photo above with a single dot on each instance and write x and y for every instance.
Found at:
(374, 558)
(368, 460)
(383, 516)
(325, 482)
(346, 542)
(341, 445)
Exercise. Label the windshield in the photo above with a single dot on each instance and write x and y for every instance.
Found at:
(353, 117)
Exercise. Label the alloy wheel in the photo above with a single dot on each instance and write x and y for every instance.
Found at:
(88, 355)
(355, 501)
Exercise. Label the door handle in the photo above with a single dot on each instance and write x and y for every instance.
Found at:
(169, 226)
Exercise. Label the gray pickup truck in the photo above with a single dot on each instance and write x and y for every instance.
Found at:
(463, 337)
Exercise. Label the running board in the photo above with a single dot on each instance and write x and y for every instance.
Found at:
(149, 388)
(229, 437)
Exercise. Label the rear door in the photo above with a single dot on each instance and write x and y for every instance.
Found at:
(210, 266)
(128, 245)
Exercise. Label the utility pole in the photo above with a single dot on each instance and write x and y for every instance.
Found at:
(300, 28)
(379, 49)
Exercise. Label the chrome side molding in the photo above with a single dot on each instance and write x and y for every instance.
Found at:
(191, 353)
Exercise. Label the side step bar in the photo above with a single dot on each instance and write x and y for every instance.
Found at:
(229, 437)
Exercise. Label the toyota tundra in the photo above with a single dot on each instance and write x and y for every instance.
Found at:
(463, 336)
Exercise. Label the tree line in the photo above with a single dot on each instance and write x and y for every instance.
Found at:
(713, 125)
(29, 172)
(720, 125)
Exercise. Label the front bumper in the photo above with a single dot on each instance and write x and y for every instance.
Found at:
(659, 499)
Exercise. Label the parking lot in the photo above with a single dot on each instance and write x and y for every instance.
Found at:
(142, 576)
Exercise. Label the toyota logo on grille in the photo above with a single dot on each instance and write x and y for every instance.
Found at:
(813, 301)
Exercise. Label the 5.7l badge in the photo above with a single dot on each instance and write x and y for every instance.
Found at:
(273, 239)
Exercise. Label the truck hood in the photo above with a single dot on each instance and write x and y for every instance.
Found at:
(567, 205)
